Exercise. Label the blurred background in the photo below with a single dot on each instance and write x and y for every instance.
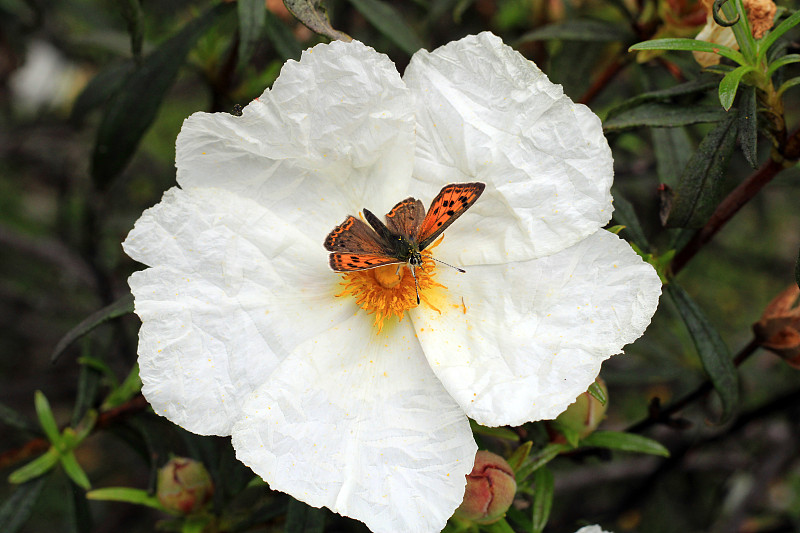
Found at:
(84, 150)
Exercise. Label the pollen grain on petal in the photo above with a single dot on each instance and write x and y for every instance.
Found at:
(389, 291)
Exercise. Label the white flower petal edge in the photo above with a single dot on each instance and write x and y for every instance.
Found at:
(230, 283)
(529, 337)
(335, 130)
(592, 529)
(485, 113)
(355, 421)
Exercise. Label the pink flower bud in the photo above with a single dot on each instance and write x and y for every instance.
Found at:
(184, 485)
(490, 489)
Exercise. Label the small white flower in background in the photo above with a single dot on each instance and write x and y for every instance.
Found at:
(247, 332)
(592, 529)
(46, 81)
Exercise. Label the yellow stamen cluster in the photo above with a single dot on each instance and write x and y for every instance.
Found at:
(389, 290)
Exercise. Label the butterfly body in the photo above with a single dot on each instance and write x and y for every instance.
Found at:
(408, 230)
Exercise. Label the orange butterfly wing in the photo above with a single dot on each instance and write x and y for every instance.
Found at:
(451, 202)
(354, 236)
(406, 217)
(350, 262)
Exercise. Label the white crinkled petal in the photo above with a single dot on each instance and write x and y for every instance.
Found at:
(531, 336)
(485, 113)
(356, 421)
(230, 283)
(592, 529)
(335, 134)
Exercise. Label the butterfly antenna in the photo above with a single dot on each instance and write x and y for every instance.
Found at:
(448, 264)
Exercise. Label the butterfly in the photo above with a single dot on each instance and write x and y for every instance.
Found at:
(408, 230)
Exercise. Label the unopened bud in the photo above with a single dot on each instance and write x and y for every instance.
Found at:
(583, 416)
(779, 327)
(184, 485)
(491, 487)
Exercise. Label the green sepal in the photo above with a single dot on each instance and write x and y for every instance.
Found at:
(519, 455)
(626, 442)
(597, 392)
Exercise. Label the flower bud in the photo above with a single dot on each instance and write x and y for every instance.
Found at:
(490, 489)
(184, 485)
(779, 327)
(583, 416)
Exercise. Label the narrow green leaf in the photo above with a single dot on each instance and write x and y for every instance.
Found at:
(99, 89)
(16, 510)
(788, 84)
(797, 270)
(12, 418)
(131, 111)
(626, 442)
(121, 307)
(597, 392)
(730, 84)
(390, 22)
(80, 514)
(88, 384)
(788, 59)
(747, 135)
(498, 432)
(701, 84)
(711, 348)
(127, 390)
(281, 37)
(542, 498)
(134, 19)
(315, 17)
(673, 149)
(252, 20)
(301, 518)
(538, 459)
(657, 115)
(125, 494)
(699, 189)
(519, 455)
(690, 45)
(766, 42)
(46, 418)
(741, 30)
(588, 30)
(36, 468)
(74, 470)
(625, 214)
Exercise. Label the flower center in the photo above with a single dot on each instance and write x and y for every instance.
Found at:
(390, 290)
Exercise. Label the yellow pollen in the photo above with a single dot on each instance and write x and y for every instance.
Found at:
(389, 290)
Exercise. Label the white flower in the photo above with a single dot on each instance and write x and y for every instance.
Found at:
(592, 529)
(242, 329)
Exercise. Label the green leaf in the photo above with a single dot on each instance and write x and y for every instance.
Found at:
(252, 20)
(88, 384)
(542, 498)
(701, 84)
(766, 42)
(128, 495)
(519, 455)
(625, 214)
(626, 442)
(713, 352)
(390, 23)
(36, 468)
(597, 392)
(741, 30)
(690, 45)
(131, 111)
(315, 17)
(281, 37)
(797, 270)
(588, 30)
(46, 418)
(121, 307)
(134, 19)
(99, 89)
(74, 470)
(788, 84)
(498, 432)
(656, 115)
(730, 84)
(501, 526)
(699, 189)
(127, 390)
(538, 459)
(747, 126)
(80, 514)
(16, 510)
(782, 62)
(673, 149)
(301, 518)
(12, 418)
